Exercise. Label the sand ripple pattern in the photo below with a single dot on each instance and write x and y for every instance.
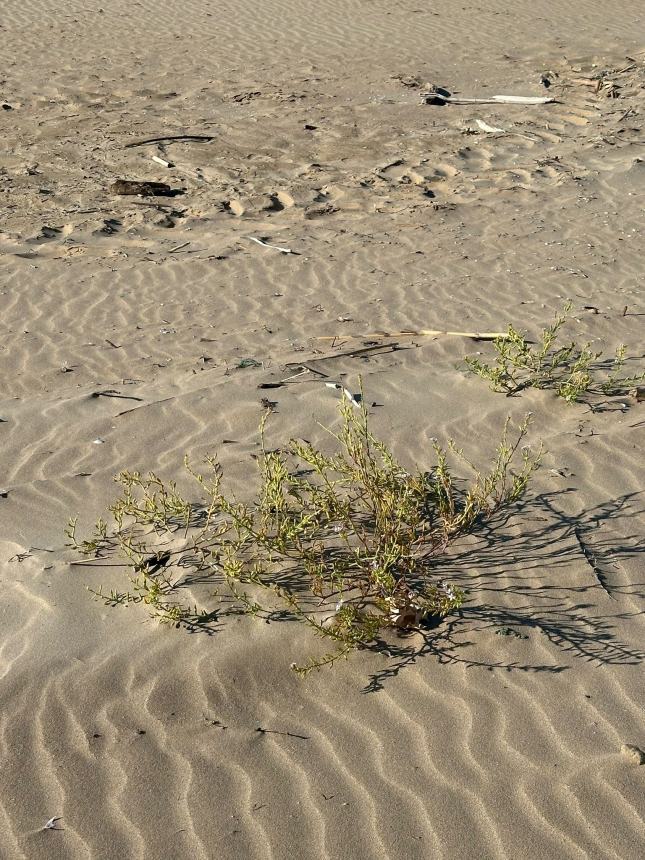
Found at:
(124, 328)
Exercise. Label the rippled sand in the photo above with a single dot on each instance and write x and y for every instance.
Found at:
(144, 741)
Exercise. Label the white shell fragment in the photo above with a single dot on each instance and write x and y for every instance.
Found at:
(491, 129)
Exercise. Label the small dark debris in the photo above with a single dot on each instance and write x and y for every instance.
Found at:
(410, 81)
(213, 722)
(154, 562)
(111, 392)
(271, 385)
(126, 187)
(507, 631)
(276, 732)
(110, 226)
(249, 362)
(167, 137)
(6, 106)
(436, 96)
(243, 98)
(50, 232)
(165, 221)
(141, 731)
(269, 404)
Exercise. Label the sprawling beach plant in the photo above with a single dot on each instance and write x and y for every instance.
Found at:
(571, 370)
(348, 542)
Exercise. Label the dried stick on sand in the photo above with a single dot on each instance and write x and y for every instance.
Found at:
(424, 332)
(170, 137)
(491, 100)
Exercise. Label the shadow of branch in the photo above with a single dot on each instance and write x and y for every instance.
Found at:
(527, 570)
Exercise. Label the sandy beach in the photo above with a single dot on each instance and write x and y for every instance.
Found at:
(127, 328)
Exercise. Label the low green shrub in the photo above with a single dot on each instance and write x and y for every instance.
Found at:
(349, 543)
(572, 371)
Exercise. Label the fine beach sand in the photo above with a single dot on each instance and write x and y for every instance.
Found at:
(402, 215)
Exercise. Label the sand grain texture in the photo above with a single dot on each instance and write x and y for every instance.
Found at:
(401, 216)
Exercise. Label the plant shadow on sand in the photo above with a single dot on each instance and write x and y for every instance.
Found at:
(528, 570)
(531, 567)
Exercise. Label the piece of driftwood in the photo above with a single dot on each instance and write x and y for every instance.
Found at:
(160, 207)
(424, 332)
(111, 392)
(350, 353)
(308, 366)
(303, 367)
(439, 98)
(125, 187)
(594, 83)
(361, 351)
(196, 137)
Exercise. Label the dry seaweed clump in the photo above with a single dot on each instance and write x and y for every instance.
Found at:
(348, 542)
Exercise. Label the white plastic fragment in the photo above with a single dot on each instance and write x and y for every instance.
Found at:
(161, 161)
(51, 824)
(404, 610)
(267, 245)
(491, 129)
(348, 394)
